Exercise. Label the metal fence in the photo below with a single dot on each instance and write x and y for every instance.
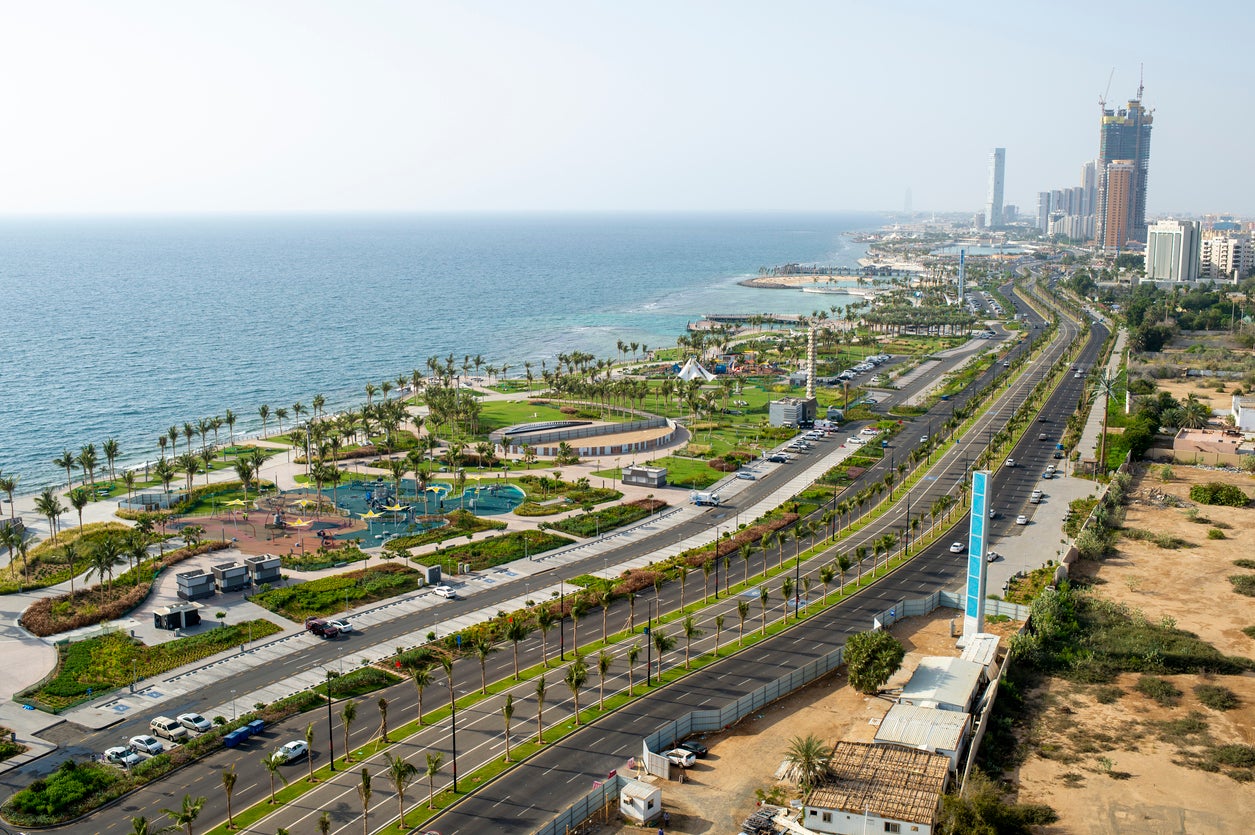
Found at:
(706, 721)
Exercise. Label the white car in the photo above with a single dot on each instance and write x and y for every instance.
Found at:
(956, 547)
(1010, 463)
(290, 751)
(123, 756)
(1021, 519)
(682, 758)
(854, 440)
(446, 592)
(343, 625)
(145, 744)
(194, 722)
(746, 475)
(870, 430)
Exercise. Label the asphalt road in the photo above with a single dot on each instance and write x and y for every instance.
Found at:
(923, 576)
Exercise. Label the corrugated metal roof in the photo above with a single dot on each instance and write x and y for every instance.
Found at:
(925, 728)
(639, 790)
(982, 648)
(941, 681)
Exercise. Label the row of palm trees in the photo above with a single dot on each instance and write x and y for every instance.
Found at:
(88, 460)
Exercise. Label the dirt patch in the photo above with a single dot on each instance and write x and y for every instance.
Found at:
(719, 792)
(1110, 759)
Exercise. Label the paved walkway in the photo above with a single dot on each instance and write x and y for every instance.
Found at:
(1088, 444)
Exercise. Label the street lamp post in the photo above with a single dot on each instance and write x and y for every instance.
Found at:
(232, 705)
(649, 647)
(331, 745)
(561, 620)
(717, 561)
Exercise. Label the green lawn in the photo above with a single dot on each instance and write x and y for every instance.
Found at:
(496, 414)
(327, 595)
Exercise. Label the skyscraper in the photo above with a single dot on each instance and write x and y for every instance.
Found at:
(1124, 135)
(1089, 188)
(1117, 196)
(1043, 212)
(993, 202)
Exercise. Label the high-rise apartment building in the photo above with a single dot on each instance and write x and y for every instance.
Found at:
(993, 201)
(1116, 222)
(1172, 250)
(1124, 136)
(1224, 256)
(1043, 212)
(1089, 188)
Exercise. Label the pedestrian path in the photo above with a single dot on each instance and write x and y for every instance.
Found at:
(1088, 444)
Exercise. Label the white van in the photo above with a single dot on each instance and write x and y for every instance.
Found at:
(167, 727)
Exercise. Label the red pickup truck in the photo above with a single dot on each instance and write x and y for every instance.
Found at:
(321, 628)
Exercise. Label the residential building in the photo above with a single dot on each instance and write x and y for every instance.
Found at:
(993, 199)
(1224, 256)
(792, 411)
(878, 788)
(1124, 137)
(1209, 447)
(1172, 250)
(1089, 188)
(1043, 212)
(1115, 224)
(1244, 412)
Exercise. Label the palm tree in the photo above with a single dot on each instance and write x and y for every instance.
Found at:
(786, 589)
(579, 607)
(324, 824)
(576, 677)
(763, 596)
(110, 449)
(364, 792)
(633, 653)
(826, 576)
(663, 643)
(49, 506)
(540, 709)
(742, 611)
(516, 631)
(228, 787)
(446, 663)
(348, 712)
(140, 826)
(230, 418)
(690, 632)
(718, 631)
(810, 758)
(604, 662)
(433, 768)
(79, 497)
(483, 647)
(746, 551)
(264, 412)
(420, 674)
(382, 704)
(1105, 385)
(187, 814)
(68, 462)
(272, 764)
(401, 773)
(309, 747)
(545, 621)
(103, 557)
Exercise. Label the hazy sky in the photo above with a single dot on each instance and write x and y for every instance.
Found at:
(124, 107)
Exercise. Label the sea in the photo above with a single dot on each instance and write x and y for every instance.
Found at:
(121, 327)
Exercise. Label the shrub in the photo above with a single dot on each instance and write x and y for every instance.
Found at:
(328, 594)
(1216, 493)
(1240, 756)
(1244, 563)
(1107, 694)
(1243, 584)
(60, 796)
(1161, 690)
(1215, 533)
(1216, 697)
(1249, 631)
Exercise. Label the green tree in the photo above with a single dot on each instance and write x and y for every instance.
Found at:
(663, 643)
(810, 759)
(309, 746)
(507, 714)
(763, 597)
(79, 497)
(348, 712)
(401, 773)
(826, 576)
(690, 632)
(420, 674)
(983, 809)
(434, 760)
(742, 612)
(228, 788)
(633, 653)
(364, 792)
(604, 662)
(382, 704)
(186, 814)
(483, 647)
(576, 677)
(871, 658)
(540, 709)
(87, 462)
(516, 631)
(67, 462)
(272, 763)
(545, 621)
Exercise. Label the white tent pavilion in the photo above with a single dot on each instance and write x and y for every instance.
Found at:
(693, 370)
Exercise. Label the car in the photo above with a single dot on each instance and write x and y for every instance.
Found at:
(876, 378)
(1021, 519)
(1043, 419)
(1077, 376)
(1050, 468)
(923, 439)
(1006, 364)
(778, 458)
(446, 592)
(1058, 454)
(869, 430)
(294, 750)
(195, 722)
(682, 758)
(121, 755)
(746, 475)
(698, 750)
(1010, 463)
(1047, 475)
(993, 514)
(145, 744)
(342, 625)
(956, 547)
(1042, 437)
(993, 556)
(321, 628)
(1036, 497)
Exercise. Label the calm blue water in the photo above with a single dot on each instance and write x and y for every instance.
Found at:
(123, 327)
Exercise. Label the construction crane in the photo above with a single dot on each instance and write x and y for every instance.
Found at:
(1102, 100)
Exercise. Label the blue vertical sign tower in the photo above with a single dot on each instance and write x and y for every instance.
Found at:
(974, 602)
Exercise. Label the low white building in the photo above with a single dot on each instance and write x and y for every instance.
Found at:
(640, 802)
(878, 788)
(943, 682)
(926, 729)
(1244, 413)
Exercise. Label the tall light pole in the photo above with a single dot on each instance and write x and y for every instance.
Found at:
(717, 561)
(331, 745)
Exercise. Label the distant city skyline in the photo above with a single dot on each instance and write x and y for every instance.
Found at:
(384, 105)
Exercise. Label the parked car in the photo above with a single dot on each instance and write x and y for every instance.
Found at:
(294, 750)
(745, 475)
(698, 750)
(956, 547)
(1036, 497)
(993, 556)
(123, 756)
(778, 458)
(145, 744)
(870, 430)
(195, 722)
(342, 625)
(854, 440)
(171, 729)
(1021, 519)
(446, 592)
(1058, 454)
(682, 758)
(1047, 475)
